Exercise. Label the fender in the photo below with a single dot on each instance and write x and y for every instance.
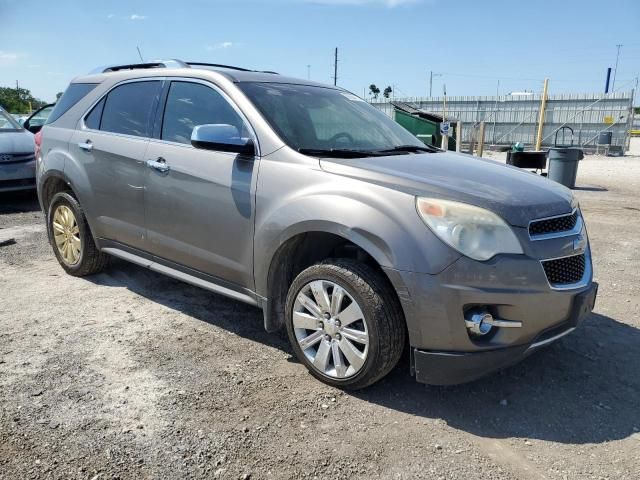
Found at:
(389, 230)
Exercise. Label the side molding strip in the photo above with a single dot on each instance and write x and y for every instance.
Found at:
(178, 275)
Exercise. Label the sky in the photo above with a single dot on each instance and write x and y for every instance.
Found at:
(474, 47)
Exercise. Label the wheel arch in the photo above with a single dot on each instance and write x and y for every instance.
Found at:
(53, 182)
(303, 248)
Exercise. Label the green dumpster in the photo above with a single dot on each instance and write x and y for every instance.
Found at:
(424, 125)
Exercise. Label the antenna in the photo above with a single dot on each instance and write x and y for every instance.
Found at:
(335, 68)
(140, 54)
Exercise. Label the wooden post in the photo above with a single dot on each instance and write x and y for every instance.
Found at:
(472, 139)
(543, 105)
(481, 139)
(459, 136)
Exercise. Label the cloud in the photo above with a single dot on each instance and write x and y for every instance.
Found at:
(9, 56)
(384, 3)
(220, 46)
(111, 15)
(135, 16)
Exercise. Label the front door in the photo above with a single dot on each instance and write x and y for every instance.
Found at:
(111, 149)
(200, 204)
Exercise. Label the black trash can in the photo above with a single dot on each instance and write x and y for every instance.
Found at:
(563, 162)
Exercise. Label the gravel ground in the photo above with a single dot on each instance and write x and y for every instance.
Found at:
(129, 374)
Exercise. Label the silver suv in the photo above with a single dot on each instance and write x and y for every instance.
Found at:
(307, 202)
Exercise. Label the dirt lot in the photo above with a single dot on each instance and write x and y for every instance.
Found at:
(129, 374)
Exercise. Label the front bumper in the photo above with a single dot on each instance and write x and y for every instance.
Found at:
(17, 176)
(450, 368)
(512, 287)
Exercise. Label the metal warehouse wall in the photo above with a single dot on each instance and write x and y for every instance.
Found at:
(511, 119)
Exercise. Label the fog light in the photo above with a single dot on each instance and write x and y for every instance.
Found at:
(478, 323)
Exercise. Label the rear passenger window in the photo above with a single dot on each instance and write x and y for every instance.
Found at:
(93, 119)
(191, 104)
(129, 108)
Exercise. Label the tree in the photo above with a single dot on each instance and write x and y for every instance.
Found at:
(387, 92)
(18, 100)
(373, 90)
(58, 95)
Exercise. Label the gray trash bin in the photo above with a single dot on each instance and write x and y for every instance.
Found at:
(563, 162)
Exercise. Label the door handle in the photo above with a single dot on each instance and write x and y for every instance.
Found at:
(86, 146)
(160, 165)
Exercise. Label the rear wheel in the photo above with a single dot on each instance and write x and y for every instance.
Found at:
(71, 239)
(345, 323)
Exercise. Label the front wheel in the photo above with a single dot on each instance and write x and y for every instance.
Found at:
(345, 323)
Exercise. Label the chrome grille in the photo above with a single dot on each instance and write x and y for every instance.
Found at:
(16, 157)
(563, 223)
(565, 271)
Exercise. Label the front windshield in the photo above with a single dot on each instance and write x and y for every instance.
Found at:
(8, 123)
(318, 118)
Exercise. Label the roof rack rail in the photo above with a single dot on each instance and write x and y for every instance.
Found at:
(229, 67)
(172, 63)
(218, 65)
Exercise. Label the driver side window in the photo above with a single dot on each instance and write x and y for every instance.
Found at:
(191, 104)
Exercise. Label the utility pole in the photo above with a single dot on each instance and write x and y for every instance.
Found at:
(335, 68)
(615, 72)
(430, 83)
(431, 75)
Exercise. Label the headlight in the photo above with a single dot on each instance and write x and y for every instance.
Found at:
(473, 231)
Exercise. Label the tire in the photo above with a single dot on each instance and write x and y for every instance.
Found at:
(66, 212)
(369, 348)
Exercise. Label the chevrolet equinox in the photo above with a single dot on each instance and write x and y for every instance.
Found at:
(309, 203)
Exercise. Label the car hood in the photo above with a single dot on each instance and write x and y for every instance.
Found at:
(516, 195)
(17, 142)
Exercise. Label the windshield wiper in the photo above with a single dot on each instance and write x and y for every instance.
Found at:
(339, 152)
(411, 148)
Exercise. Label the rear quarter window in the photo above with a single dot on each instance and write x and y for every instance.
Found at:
(72, 95)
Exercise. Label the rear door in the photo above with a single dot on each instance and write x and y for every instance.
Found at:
(200, 210)
(111, 146)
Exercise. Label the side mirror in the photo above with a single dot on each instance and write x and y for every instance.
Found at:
(32, 128)
(223, 138)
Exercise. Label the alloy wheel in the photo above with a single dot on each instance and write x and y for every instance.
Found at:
(66, 234)
(331, 329)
